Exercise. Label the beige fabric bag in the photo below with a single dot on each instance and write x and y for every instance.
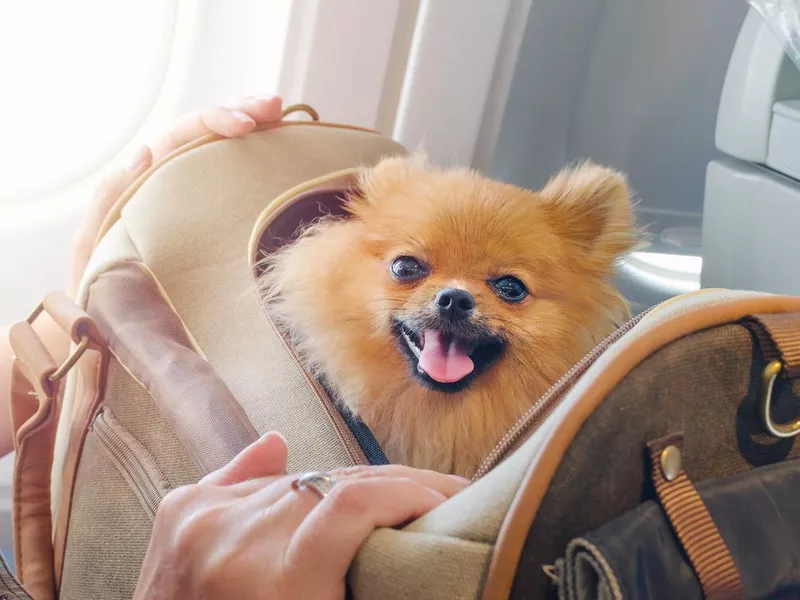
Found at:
(176, 368)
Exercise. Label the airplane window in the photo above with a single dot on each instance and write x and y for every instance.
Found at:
(86, 73)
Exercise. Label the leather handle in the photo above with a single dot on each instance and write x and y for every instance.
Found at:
(35, 360)
(778, 335)
(35, 384)
(37, 364)
(69, 317)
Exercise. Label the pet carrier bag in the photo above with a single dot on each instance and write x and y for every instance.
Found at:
(659, 466)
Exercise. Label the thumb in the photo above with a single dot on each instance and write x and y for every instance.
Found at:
(264, 457)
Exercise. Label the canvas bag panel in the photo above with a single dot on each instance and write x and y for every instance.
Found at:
(178, 222)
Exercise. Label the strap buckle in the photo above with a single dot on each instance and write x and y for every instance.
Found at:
(768, 376)
(74, 356)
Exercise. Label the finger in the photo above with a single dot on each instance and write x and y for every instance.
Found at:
(351, 511)
(262, 110)
(230, 121)
(447, 485)
(281, 483)
(189, 128)
(264, 457)
(288, 506)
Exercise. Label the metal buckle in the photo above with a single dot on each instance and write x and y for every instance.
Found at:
(768, 377)
(74, 356)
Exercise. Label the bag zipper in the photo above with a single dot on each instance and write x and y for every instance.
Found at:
(529, 422)
(344, 433)
(133, 461)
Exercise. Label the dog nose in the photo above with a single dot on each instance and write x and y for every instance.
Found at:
(454, 305)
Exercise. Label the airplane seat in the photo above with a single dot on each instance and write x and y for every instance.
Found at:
(751, 217)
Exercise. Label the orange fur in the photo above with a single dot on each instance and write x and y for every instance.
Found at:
(333, 292)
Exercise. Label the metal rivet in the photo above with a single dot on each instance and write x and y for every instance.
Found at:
(670, 462)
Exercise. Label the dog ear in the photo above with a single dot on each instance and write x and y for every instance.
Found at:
(386, 177)
(591, 206)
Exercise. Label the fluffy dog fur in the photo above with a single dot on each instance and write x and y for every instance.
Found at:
(333, 291)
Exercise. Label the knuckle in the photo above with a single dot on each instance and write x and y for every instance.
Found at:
(347, 497)
(352, 471)
(188, 514)
(177, 499)
(194, 525)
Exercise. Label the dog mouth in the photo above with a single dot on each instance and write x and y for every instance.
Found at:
(444, 360)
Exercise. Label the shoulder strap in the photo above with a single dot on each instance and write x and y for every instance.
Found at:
(35, 385)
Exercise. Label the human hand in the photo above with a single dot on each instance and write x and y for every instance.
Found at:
(245, 532)
(234, 121)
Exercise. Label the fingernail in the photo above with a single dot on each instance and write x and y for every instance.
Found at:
(461, 479)
(244, 118)
(139, 159)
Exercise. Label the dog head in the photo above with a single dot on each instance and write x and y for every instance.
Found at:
(447, 295)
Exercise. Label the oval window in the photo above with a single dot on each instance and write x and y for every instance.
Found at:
(78, 79)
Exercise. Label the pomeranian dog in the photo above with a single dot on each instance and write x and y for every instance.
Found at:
(448, 303)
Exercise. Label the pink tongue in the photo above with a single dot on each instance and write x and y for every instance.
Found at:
(446, 363)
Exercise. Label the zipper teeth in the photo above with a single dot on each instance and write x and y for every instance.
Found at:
(128, 460)
(545, 402)
(347, 442)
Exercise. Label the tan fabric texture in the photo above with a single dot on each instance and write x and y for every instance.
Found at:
(108, 532)
(458, 541)
(189, 222)
(113, 249)
(143, 474)
(149, 339)
(196, 245)
(405, 565)
(134, 409)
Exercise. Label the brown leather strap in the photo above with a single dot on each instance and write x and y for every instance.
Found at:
(33, 442)
(74, 321)
(779, 337)
(35, 387)
(34, 360)
(692, 523)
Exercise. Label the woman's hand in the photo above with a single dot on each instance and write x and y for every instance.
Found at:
(245, 532)
(225, 121)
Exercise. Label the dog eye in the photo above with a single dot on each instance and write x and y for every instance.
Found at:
(405, 268)
(509, 288)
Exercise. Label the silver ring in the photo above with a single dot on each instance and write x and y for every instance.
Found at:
(320, 482)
